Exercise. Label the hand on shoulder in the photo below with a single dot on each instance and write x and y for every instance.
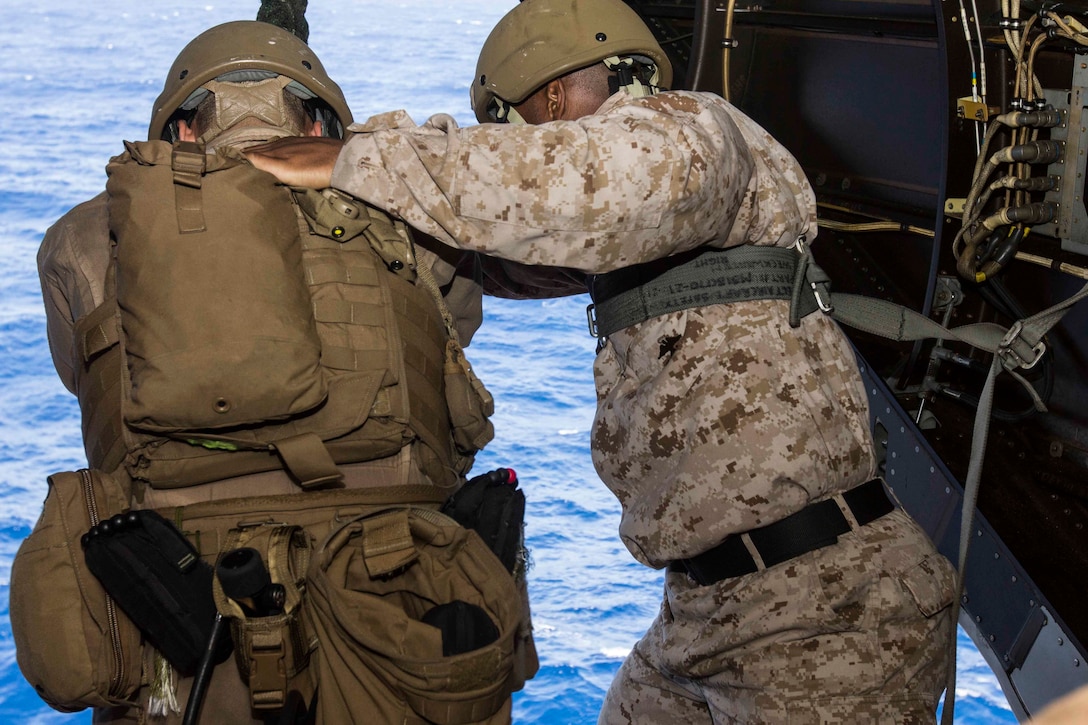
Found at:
(298, 161)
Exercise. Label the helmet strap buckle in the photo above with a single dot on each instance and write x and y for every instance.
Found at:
(625, 78)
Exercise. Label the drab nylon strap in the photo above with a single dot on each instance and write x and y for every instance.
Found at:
(713, 277)
(387, 543)
(1029, 329)
(1018, 346)
(189, 164)
(633, 295)
(308, 460)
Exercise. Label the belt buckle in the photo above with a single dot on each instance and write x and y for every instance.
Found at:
(1010, 352)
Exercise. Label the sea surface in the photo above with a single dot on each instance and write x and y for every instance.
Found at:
(78, 77)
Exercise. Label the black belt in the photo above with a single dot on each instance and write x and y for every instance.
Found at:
(811, 528)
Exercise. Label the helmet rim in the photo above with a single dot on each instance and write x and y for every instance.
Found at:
(538, 41)
(237, 46)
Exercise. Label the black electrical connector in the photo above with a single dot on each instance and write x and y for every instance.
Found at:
(1040, 212)
(1043, 118)
(1033, 152)
(1035, 183)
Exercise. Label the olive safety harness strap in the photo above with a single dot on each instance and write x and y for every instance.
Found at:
(635, 294)
(1018, 346)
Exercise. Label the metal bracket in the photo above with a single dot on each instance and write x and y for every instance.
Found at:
(1071, 225)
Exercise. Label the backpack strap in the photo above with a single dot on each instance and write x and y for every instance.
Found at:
(308, 460)
(189, 163)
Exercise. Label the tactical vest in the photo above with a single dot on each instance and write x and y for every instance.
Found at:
(248, 327)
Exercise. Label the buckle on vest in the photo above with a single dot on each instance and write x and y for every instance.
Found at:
(268, 678)
(591, 317)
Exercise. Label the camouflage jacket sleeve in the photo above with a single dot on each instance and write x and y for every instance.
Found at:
(639, 180)
(72, 262)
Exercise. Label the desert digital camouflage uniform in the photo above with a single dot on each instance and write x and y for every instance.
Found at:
(712, 420)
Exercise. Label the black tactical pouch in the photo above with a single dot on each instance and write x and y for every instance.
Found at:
(494, 506)
(156, 576)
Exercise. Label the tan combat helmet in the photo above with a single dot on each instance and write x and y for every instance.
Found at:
(540, 40)
(247, 50)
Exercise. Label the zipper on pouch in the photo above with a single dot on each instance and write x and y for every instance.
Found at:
(111, 608)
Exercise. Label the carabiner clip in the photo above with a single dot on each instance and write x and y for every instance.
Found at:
(826, 307)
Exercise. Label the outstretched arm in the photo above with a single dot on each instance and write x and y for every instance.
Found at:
(638, 180)
(298, 161)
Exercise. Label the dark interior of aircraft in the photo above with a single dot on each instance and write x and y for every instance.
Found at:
(889, 105)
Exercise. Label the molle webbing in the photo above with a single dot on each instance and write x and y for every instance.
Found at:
(383, 346)
(694, 279)
(99, 387)
(420, 327)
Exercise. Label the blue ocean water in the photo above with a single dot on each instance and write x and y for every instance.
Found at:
(76, 78)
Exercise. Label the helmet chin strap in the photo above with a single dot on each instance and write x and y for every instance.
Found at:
(503, 112)
(625, 79)
(512, 115)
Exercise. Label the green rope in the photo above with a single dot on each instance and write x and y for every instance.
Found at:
(287, 14)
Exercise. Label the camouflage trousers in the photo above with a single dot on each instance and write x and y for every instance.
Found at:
(854, 632)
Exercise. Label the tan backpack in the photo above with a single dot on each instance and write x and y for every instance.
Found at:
(249, 327)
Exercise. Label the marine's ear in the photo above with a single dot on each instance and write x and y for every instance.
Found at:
(185, 133)
(316, 130)
(555, 99)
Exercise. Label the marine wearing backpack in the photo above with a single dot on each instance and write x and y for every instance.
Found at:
(251, 344)
(268, 368)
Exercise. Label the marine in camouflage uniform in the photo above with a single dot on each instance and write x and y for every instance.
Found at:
(713, 422)
(75, 253)
(75, 257)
